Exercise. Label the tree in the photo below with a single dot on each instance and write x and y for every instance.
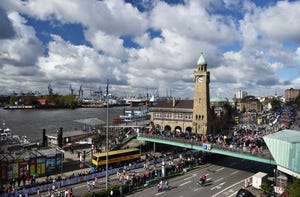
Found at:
(297, 102)
(276, 105)
(12, 100)
(293, 189)
(266, 188)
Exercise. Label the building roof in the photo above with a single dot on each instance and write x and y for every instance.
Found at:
(249, 98)
(218, 100)
(285, 148)
(170, 103)
(201, 60)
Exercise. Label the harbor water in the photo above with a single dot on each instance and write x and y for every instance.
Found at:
(31, 122)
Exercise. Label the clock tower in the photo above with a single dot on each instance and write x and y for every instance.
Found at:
(201, 112)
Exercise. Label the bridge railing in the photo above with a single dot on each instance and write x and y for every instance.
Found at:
(264, 154)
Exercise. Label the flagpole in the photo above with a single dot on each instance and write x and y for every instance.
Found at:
(106, 135)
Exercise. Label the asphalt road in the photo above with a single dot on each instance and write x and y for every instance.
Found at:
(224, 178)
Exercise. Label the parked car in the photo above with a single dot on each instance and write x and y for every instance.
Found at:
(244, 193)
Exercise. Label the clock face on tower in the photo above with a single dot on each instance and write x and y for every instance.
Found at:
(200, 79)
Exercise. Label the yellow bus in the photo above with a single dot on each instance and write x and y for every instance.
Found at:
(116, 157)
(236, 120)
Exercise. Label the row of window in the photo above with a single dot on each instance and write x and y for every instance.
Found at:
(173, 116)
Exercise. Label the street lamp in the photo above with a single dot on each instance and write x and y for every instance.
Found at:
(106, 186)
(274, 170)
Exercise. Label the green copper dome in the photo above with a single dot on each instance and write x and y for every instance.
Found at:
(201, 60)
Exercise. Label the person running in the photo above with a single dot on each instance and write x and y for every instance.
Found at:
(167, 184)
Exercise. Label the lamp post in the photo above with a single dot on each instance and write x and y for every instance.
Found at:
(106, 186)
(274, 170)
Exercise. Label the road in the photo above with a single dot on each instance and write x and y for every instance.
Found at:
(224, 178)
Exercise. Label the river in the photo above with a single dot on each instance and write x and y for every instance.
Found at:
(31, 122)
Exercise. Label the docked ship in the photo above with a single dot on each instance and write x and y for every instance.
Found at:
(7, 137)
(135, 115)
(19, 107)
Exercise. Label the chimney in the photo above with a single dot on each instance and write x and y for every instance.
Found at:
(174, 102)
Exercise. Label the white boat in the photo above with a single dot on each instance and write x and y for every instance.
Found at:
(6, 136)
(135, 115)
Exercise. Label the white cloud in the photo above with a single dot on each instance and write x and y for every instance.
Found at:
(110, 45)
(280, 21)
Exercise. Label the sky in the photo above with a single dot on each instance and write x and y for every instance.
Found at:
(149, 46)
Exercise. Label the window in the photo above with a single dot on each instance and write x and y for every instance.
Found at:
(168, 116)
(157, 115)
(177, 116)
(189, 116)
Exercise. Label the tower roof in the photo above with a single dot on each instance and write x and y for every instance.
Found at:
(201, 60)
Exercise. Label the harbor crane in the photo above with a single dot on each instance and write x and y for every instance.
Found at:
(71, 89)
(80, 92)
(50, 90)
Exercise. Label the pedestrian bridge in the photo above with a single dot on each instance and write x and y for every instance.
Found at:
(264, 157)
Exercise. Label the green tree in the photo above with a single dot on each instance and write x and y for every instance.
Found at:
(29, 100)
(266, 188)
(293, 189)
(276, 105)
(297, 102)
(12, 100)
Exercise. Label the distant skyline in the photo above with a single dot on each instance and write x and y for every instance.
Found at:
(153, 45)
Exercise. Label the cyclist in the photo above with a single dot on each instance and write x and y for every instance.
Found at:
(202, 179)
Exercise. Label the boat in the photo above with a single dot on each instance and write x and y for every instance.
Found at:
(7, 137)
(19, 107)
(135, 115)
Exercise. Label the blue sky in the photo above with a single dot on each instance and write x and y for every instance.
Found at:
(152, 45)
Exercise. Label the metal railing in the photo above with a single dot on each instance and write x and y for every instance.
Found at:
(212, 147)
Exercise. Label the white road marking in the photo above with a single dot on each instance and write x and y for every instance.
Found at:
(228, 188)
(159, 193)
(235, 172)
(190, 177)
(234, 194)
(218, 186)
(217, 170)
(219, 179)
(198, 188)
(185, 183)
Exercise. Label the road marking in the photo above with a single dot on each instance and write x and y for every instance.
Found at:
(235, 172)
(228, 188)
(159, 193)
(217, 170)
(185, 183)
(218, 186)
(197, 189)
(219, 179)
(190, 177)
(234, 194)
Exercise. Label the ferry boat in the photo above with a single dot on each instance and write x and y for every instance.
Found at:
(7, 137)
(19, 107)
(135, 115)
